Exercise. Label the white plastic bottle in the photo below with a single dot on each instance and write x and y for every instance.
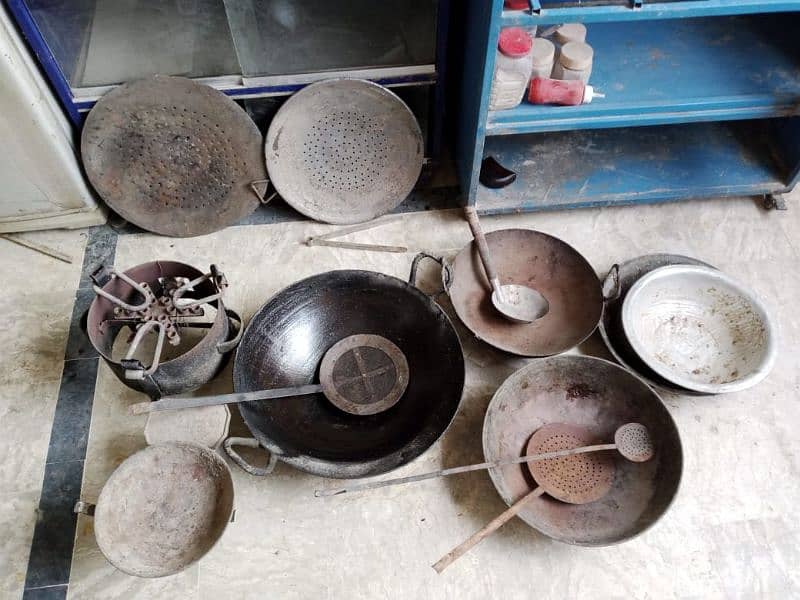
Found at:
(512, 68)
(543, 55)
(575, 62)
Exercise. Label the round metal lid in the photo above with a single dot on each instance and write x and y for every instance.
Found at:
(364, 374)
(344, 151)
(173, 156)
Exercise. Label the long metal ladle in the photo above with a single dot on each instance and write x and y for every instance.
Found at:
(518, 303)
(631, 440)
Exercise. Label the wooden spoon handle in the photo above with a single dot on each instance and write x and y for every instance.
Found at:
(493, 525)
(483, 247)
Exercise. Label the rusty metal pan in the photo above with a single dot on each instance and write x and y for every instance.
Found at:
(616, 285)
(173, 156)
(344, 151)
(162, 509)
(198, 364)
(600, 396)
(527, 257)
(284, 345)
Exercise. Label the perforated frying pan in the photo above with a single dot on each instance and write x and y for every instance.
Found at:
(344, 151)
(173, 156)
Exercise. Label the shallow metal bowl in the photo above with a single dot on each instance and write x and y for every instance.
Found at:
(699, 329)
(600, 396)
(163, 509)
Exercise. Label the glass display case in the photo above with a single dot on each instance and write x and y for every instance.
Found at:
(246, 48)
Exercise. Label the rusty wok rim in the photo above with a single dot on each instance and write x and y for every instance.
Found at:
(482, 329)
(658, 409)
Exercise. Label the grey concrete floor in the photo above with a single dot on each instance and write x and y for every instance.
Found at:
(732, 533)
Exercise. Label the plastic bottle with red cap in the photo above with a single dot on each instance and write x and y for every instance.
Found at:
(512, 68)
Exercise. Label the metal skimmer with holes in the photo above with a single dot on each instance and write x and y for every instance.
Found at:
(344, 151)
(577, 479)
(173, 156)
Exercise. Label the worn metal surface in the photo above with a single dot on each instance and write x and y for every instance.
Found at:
(173, 156)
(195, 367)
(535, 259)
(285, 342)
(576, 479)
(344, 151)
(364, 374)
(615, 288)
(600, 396)
(163, 509)
(700, 329)
(633, 441)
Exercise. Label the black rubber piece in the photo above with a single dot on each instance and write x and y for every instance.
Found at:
(494, 175)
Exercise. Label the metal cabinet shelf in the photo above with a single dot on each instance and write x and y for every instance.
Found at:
(703, 99)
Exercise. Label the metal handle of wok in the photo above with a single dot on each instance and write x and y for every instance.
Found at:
(242, 463)
(262, 194)
(412, 277)
(228, 345)
(612, 287)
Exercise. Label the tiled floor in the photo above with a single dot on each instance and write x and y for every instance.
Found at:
(732, 533)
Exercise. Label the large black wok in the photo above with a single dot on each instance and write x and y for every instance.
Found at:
(285, 342)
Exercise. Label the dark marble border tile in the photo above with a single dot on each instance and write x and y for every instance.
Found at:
(55, 592)
(54, 534)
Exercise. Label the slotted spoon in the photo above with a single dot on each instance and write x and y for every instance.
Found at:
(631, 440)
(575, 478)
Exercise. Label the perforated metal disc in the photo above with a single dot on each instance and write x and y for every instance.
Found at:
(364, 374)
(344, 151)
(577, 479)
(173, 156)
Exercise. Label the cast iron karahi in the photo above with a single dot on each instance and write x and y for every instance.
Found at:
(599, 396)
(529, 258)
(285, 342)
(173, 156)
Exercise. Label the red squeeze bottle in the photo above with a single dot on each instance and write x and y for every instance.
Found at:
(562, 93)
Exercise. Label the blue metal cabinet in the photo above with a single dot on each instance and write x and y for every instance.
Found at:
(702, 100)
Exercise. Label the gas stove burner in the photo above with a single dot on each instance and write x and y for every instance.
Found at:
(164, 299)
(364, 374)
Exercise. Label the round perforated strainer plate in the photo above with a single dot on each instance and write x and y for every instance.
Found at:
(364, 374)
(577, 479)
(344, 151)
(173, 156)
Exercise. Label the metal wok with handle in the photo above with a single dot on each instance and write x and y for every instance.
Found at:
(284, 344)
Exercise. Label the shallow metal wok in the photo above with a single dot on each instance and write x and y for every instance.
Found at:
(284, 344)
(531, 258)
(600, 396)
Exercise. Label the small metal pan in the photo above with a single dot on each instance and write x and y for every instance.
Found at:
(525, 257)
(163, 509)
(616, 285)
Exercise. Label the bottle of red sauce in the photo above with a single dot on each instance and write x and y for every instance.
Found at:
(561, 93)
